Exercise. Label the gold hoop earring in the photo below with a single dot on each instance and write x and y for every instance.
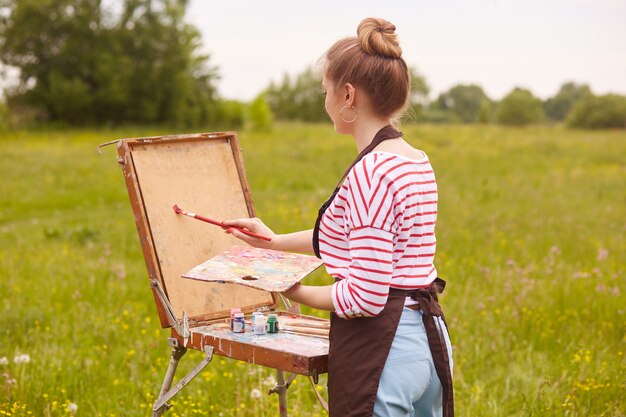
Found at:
(356, 114)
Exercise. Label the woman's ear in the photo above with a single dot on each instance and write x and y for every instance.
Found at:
(349, 93)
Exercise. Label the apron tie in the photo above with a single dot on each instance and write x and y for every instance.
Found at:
(431, 311)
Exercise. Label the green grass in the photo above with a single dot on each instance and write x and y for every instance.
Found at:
(531, 239)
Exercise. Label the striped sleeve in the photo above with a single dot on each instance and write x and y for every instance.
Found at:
(364, 291)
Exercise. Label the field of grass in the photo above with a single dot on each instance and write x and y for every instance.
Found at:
(531, 239)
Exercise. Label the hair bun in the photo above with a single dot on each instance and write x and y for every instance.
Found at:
(378, 37)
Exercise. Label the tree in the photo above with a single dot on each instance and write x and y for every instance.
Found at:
(599, 112)
(519, 108)
(298, 99)
(81, 63)
(557, 107)
(463, 102)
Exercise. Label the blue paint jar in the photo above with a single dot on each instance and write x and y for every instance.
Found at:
(239, 325)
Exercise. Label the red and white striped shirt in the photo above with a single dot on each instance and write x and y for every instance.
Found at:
(379, 232)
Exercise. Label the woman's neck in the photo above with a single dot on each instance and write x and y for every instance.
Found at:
(365, 132)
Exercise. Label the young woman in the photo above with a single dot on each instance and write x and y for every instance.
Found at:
(389, 353)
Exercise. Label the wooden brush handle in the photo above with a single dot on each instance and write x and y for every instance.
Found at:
(306, 324)
(305, 330)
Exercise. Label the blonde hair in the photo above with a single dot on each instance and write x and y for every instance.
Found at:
(373, 62)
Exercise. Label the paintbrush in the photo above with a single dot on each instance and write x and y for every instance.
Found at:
(304, 330)
(306, 324)
(321, 336)
(178, 210)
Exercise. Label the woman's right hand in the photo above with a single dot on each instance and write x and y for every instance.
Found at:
(254, 225)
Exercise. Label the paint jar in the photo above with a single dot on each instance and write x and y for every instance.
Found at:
(272, 323)
(260, 325)
(239, 326)
(233, 311)
(254, 316)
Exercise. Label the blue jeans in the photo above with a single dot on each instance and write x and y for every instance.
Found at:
(409, 385)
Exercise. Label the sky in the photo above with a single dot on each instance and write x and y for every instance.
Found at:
(497, 44)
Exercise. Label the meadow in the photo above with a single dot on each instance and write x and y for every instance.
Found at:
(531, 239)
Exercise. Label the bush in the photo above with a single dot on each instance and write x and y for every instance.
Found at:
(231, 114)
(438, 117)
(598, 112)
(520, 108)
(260, 116)
(485, 115)
(4, 115)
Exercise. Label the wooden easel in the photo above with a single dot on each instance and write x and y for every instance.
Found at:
(204, 171)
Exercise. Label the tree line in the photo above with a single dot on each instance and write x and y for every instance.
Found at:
(81, 63)
(574, 104)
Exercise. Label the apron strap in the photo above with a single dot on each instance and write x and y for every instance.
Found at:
(321, 399)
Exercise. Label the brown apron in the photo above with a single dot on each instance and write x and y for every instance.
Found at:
(359, 350)
(359, 347)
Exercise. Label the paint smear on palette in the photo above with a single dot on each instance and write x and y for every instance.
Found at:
(263, 269)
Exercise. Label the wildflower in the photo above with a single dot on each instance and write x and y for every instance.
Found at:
(4, 360)
(24, 358)
(9, 380)
(72, 408)
(602, 254)
(255, 393)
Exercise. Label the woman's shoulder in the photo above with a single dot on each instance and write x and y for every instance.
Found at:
(416, 156)
(383, 166)
(378, 164)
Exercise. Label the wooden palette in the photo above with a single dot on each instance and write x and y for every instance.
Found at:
(263, 269)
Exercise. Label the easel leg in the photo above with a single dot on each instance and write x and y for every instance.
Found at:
(282, 394)
(160, 406)
(177, 353)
